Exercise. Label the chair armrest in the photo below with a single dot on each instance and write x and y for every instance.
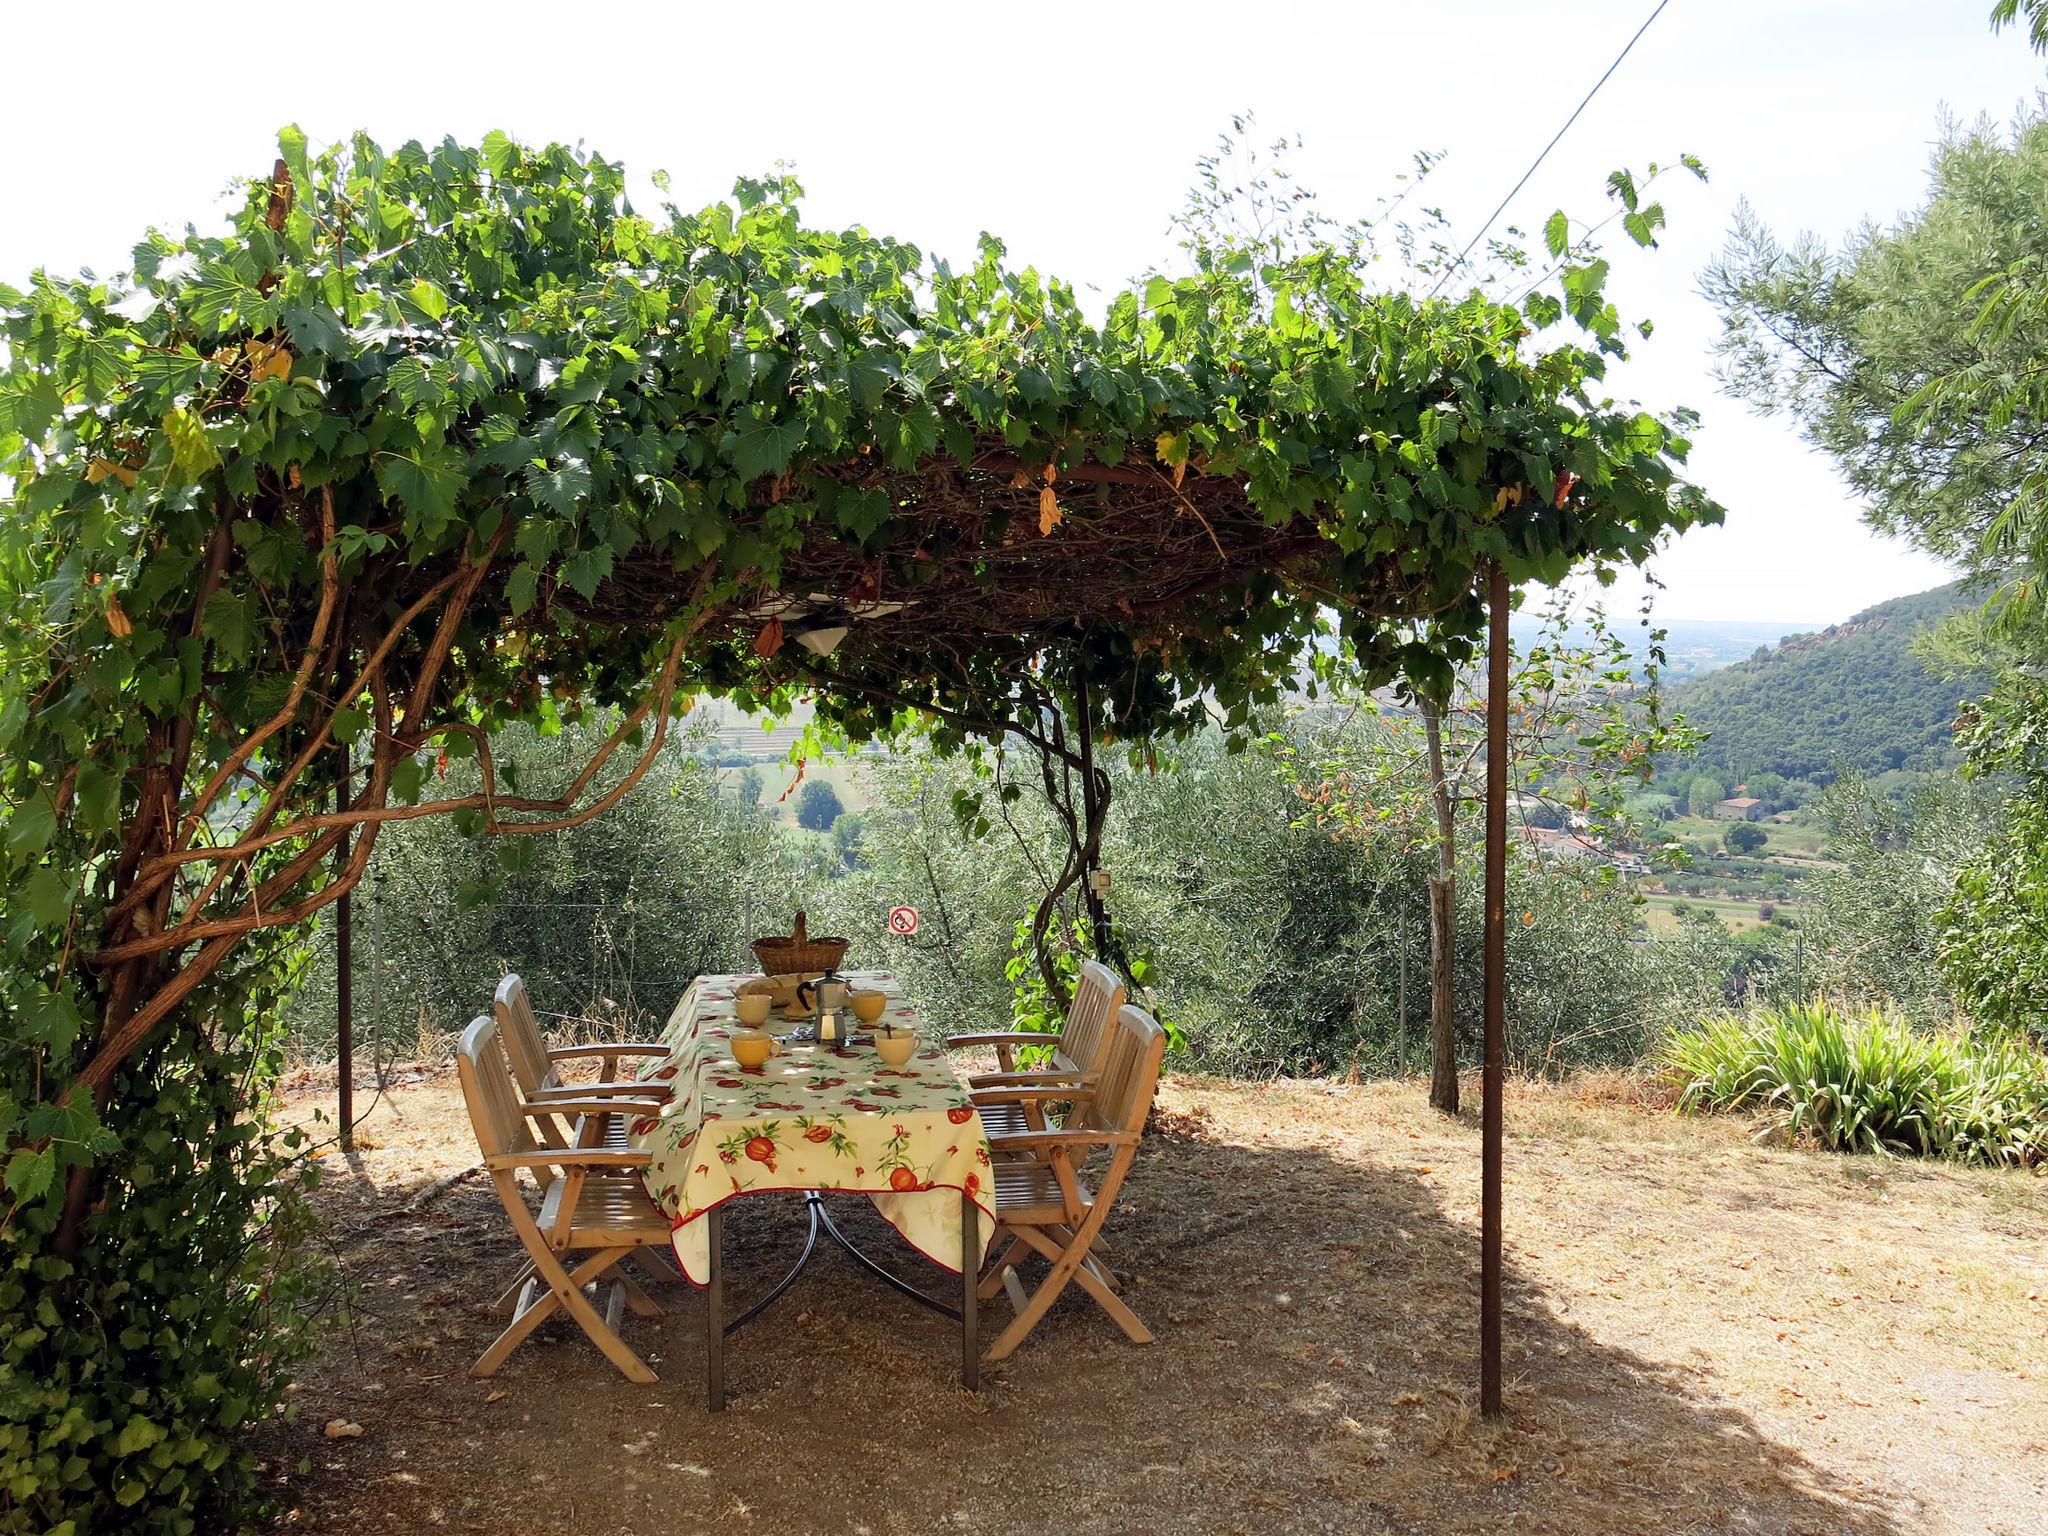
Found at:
(1001, 1037)
(593, 1090)
(1028, 1141)
(591, 1106)
(623, 1048)
(571, 1157)
(1083, 1082)
(1028, 1094)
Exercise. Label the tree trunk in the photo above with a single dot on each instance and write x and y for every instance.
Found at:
(1443, 928)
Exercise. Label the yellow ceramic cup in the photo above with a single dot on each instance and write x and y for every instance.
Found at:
(868, 1006)
(752, 1008)
(897, 1046)
(752, 1048)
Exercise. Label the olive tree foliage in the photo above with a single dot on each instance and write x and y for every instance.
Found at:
(607, 922)
(1883, 350)
(1585, 724)
(1268, 945)
(1993, 928)
(1872, 921)
(435, 441)
(1917, 357)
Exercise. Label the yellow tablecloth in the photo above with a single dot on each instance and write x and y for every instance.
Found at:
(815, 1117)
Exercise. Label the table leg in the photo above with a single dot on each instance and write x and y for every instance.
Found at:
(970, 1278)
(714, 1312)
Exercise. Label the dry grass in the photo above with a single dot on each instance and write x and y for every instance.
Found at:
(1705, 1335)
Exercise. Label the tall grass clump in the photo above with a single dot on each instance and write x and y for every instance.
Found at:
(1868, 1083)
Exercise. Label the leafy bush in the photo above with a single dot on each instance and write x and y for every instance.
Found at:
(1868, 1083)
(608, 921)
(125, 1385)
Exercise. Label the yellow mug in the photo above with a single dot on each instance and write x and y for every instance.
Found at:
(753, 1047)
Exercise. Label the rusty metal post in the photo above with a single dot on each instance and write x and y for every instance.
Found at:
(344, 986)
(1494, 1072)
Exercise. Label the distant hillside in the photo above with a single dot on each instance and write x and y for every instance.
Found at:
(1692, 647)
(1852, 697)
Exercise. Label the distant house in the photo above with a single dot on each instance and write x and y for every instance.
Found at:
(1741, 808)
(1559, 843)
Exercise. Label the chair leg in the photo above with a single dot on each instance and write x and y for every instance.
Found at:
(1094, 1260)
(1067, 1249)
(1113, 1304)
(508, 1299)
(992, 1276)
(1102, 1272)
(565, 1291)
(643, 1305)
(1041, 1302)
(646, 1260)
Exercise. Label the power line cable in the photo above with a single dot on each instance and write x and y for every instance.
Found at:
(1538, 161)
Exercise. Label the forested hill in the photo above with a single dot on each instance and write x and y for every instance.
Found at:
(1852, 697)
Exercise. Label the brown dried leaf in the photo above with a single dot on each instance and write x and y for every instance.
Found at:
(769, 641)
(117, 617)
(1049, 513)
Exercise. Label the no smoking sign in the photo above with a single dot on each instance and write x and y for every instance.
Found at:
(903, 921)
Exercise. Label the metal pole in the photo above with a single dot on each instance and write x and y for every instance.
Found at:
(344, 983)
(970, 1279)
(1496, 995)
(1401, 1001)
(714, 1313)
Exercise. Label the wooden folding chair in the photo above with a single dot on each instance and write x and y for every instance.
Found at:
(1044, 1204)
(537, 1065)
(597, 1211)
(1076, 1055)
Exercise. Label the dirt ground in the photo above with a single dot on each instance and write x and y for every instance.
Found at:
(1704, 1335)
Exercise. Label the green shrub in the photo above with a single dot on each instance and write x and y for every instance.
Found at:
(127, 1378)
(1868, 1083)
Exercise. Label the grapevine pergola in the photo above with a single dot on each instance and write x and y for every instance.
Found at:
(437, 440)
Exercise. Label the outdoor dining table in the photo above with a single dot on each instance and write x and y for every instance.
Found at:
(815, 1118)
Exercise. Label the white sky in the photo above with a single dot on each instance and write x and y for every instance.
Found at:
(1071, 131)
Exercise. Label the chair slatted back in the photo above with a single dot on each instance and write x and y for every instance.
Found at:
(1129, 1074)
(488, 1090)
(1097, 997)
(519, 1031)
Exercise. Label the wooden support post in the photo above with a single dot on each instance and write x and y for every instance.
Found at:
(344, 986)
(1493, 1072)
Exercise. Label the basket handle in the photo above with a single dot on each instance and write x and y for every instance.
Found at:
(798, 934)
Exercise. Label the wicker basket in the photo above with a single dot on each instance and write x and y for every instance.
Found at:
(799, 952)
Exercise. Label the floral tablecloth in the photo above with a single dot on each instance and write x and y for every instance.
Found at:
(815, 1117)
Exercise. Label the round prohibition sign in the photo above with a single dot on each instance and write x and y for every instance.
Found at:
(903, 921)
